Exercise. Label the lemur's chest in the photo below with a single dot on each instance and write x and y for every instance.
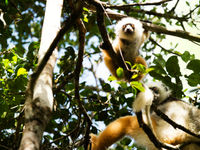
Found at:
(129, 49)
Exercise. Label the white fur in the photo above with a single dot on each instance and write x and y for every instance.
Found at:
(143, 99)
(164, 91)
(138, 28)
(136, 38)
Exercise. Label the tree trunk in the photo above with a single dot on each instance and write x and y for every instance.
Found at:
(39, 102)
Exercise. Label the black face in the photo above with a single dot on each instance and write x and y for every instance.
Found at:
(128, 28)
(156, 93)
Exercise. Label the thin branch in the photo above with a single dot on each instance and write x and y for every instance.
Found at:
(82, 32)
(177, 33)
(164, 49)
(106, 42)
(64, 82)
(192, 11)
(149, 26)
(140, 4)
(151, 136)
(173, 8)
(129, 7)
(171, 122)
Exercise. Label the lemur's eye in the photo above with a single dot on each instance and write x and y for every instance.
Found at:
(123, 27)
(155, 90)
(133, 26)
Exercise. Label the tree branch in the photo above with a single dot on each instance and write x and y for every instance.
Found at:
(162, 48)
(151, 135)
(129, 7)
(171, 122)
(82, 32)
(68, 24)
(106, 42)
(140, 4)
(148, 26)
(177, 33)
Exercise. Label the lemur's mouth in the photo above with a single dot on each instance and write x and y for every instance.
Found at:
(129, 28)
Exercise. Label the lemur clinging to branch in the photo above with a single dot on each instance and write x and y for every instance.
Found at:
(130, 35)
(179, 111)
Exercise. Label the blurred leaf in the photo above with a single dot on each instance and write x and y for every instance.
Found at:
(194, 65)
(21, 71)
(194, 79)
(120, 72)
(172, 66)
(137, 85)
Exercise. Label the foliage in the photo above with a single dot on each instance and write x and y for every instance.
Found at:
(19, 44)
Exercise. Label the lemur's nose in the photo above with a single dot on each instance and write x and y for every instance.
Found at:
(129, 28)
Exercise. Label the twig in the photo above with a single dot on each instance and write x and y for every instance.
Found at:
(82, 32)
(151, 136)
(171, 122)
(64, 81)
(173, 8)
(129, 7)
(178, 33)
(142, 4)
(192, 11)
(164, 49)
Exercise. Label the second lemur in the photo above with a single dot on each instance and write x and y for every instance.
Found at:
(130, 35)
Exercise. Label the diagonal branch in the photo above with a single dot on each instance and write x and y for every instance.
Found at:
(162, 48)
(151, 136)
(171, 122)
(106, 42)
(178, 33)
(68, 24)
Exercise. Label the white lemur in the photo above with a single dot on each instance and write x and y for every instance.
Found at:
(179, 111)
(130, 35)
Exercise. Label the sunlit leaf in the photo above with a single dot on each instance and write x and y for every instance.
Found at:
(21, 71)
(120, 72)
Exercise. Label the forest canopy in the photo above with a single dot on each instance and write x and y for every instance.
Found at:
(85, 98)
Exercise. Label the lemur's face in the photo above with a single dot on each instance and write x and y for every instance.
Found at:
(128, 28)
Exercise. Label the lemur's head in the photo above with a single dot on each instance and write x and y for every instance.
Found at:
(161, 91)
(129, 29)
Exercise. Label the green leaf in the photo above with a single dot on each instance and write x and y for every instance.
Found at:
(10, 70)
(6, 62)
(194, 79)
(14, 58)
(172, 66)
(106, 87)
(21, 71)
(85, 19)
(85, 9)
(127, 62)
(138, 85)
(120, 72)
(194, 65)
(134, 76)
(112, 78)
(186, 56)
(149, 70)
(141, 68)
(4, 114)
(6, 2)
